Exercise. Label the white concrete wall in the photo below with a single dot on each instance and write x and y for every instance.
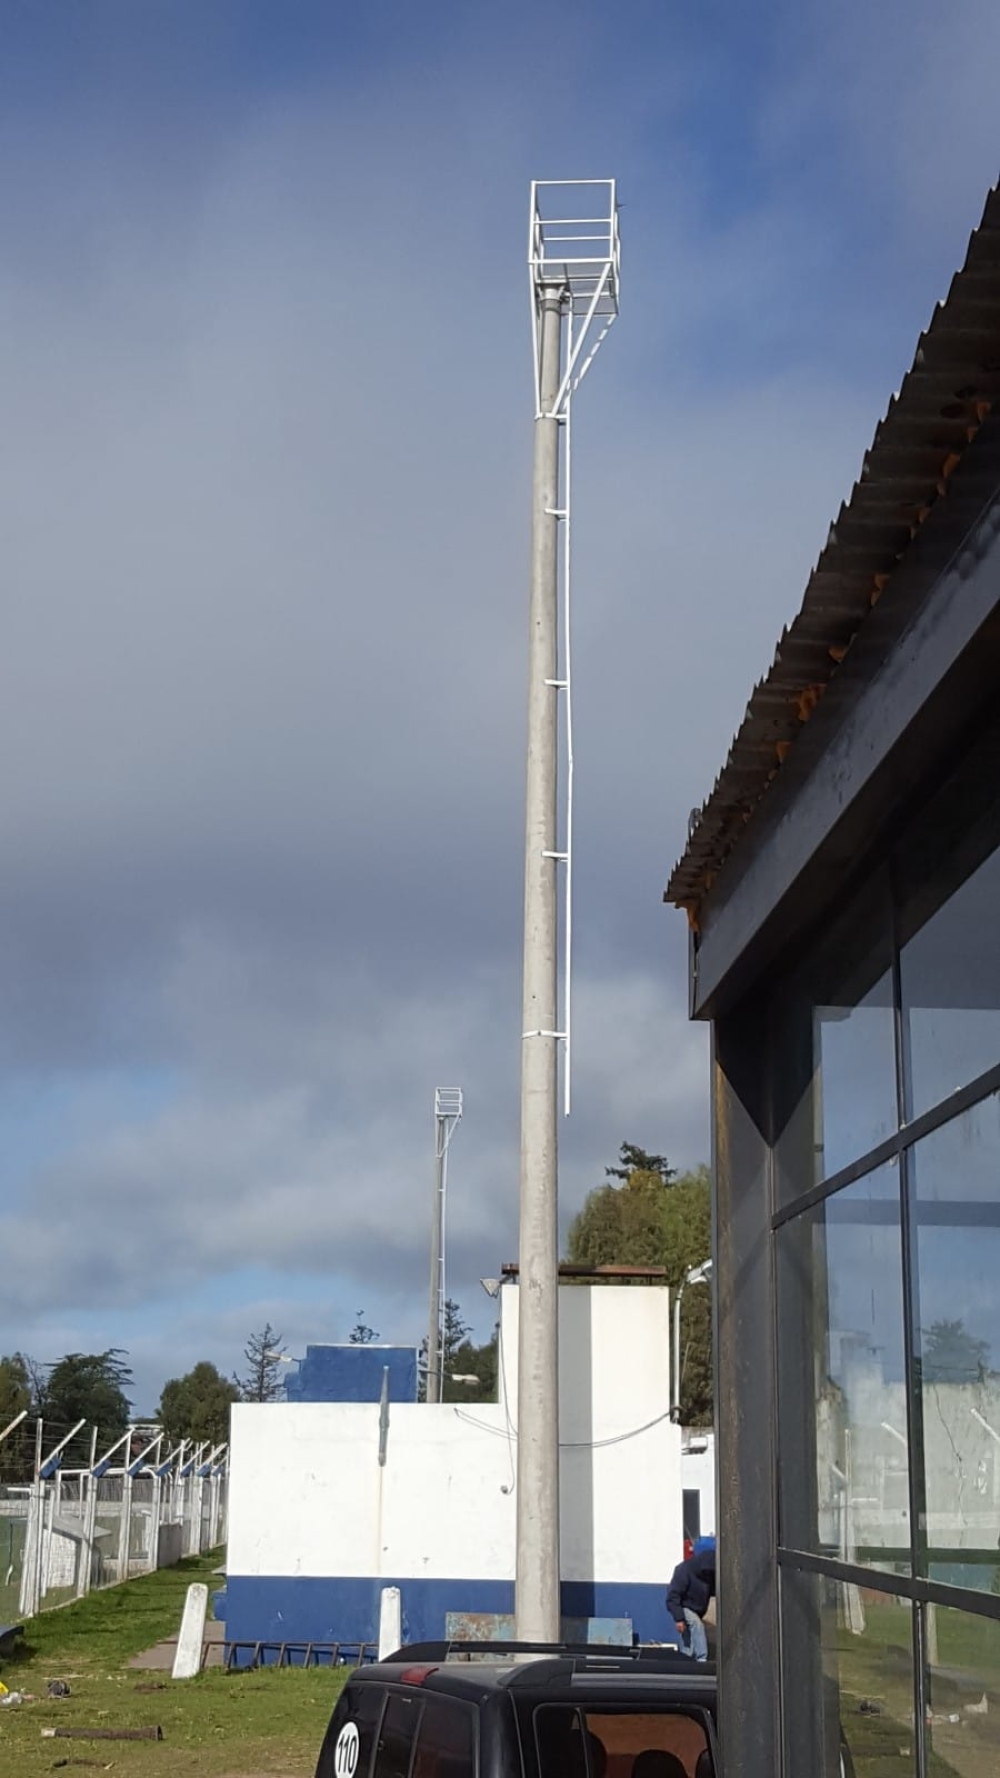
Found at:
(620, 1488)
(308, 1496)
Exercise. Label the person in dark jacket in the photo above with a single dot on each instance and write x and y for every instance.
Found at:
(692, 1586)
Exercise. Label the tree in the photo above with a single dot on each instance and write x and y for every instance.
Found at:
(196, 1406)
(952, 1355)
(361, 1334)
(638, 1223)
(461, 1357)
(90, 1386)
(469, 1360)
(636, 1160)
(263, 1377)
(37, 1375)
(453, 1333)
(15, 1398)
(15, 1388)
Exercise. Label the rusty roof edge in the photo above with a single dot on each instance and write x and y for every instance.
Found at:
(715, 829)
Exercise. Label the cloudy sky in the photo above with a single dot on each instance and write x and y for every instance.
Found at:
(266, 450)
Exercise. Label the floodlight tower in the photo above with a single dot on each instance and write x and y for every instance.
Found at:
(447, 1116)
(573, 263)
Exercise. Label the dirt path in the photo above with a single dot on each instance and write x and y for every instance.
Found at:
(160, 1658)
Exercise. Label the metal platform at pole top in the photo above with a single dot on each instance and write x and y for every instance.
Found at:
(574, 244)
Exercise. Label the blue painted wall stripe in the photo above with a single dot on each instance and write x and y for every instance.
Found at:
(299, 1608)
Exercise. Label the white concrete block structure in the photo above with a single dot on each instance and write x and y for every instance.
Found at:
(319, 1526)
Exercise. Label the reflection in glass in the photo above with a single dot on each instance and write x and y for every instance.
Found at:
(957, 1174)
(847, 1657)
(856, 1063)
(842, 1395)
(963, 1708)
(950, 979)
(835, 1074)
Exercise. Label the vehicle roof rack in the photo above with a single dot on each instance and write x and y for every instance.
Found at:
(604, 1654)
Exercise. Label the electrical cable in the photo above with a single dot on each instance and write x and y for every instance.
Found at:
(586, 1444)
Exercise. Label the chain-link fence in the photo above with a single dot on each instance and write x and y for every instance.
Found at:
(14, 1508)
(69, 1531)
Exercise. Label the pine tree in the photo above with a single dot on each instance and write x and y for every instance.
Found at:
(262, 1381)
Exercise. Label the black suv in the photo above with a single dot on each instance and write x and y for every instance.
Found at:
(473, 1710)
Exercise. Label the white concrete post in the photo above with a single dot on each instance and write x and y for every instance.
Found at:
(390, 1631)
(125, 1526)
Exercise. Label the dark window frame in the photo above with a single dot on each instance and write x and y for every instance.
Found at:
(896, 862)
(922, 1591)
(983, 1087)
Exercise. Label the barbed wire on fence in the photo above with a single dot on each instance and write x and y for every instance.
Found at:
(71, 1530)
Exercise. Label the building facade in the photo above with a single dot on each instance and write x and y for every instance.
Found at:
(842, 886)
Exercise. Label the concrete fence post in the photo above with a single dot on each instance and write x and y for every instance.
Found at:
(84, 1579)
(28, 1601)
(155, 1517)
(125, 1526)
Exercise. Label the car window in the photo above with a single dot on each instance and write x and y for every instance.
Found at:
(445, 1741)
(394, 1749)
(350, 1741)
(578, 1743)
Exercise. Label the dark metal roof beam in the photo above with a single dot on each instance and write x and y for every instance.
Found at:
(907, 473)
(934, 675)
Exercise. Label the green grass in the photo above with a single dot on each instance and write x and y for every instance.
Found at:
(117, 1622)
(972, 1644)
(878, 1666)
(240, 1725)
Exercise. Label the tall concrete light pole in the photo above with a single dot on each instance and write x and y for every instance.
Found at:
(573, 259)
(447, 1116)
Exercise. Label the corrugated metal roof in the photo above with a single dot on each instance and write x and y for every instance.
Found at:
(944, 399)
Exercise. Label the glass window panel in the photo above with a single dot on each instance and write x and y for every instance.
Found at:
(844, 1471)
(445, 1744)
(669, 1742)
(957, 1194)
(950, 978)
(394, 1749)
(847, 1680)
(834, 1040)
(963, 1706)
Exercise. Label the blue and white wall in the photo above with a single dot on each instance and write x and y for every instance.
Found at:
(317, 1527)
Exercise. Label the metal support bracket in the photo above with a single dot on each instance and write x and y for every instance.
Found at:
(574, 253)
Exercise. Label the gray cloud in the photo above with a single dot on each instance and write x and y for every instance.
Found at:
(264, 495)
